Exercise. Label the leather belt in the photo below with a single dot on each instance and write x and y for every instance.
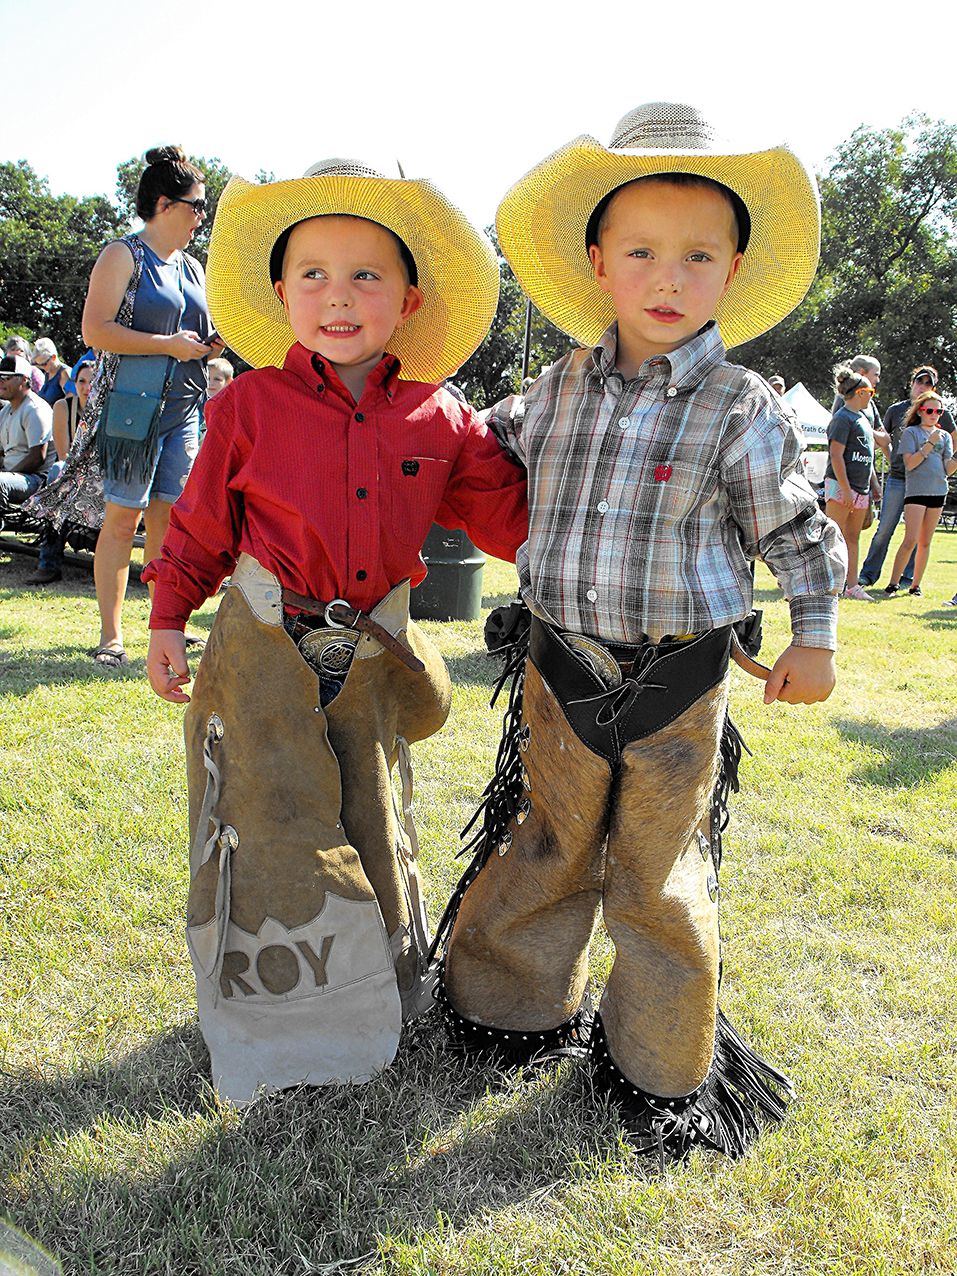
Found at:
(340, 615)
(746, 662)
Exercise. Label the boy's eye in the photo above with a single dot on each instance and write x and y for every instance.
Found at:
(698, 257)
(366, 274)
(315, 273)
(639, 252)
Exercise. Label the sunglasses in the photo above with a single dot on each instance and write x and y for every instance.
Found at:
(10, 376)
(923, 381)
(931, 411)
(197, 205)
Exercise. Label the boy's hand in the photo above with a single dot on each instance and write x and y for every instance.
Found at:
(801, 675)
(166, 665)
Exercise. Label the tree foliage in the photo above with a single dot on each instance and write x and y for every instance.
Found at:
(48, 245)
(887, 282)
(495, 370)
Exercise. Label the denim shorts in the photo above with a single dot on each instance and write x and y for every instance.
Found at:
(177, 452)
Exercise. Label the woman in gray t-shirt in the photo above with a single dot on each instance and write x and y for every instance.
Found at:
(928, 456)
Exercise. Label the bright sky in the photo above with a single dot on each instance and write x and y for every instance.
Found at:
(470, 95)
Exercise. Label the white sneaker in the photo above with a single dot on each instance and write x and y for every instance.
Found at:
(950, 602)
(855, 591)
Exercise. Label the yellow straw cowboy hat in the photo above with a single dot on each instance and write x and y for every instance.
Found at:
(542, 221)
(456, 264)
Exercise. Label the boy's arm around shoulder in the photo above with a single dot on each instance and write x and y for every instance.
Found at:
(487, 490)
(777, 515)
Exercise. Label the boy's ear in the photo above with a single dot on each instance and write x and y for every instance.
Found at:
(598, 262)
(280, 291)
(736, 261)
(410, 304)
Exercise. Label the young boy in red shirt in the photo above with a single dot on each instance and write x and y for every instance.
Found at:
(319, 477)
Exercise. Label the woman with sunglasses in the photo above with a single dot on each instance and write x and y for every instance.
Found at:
(169, 318)
(928, 460)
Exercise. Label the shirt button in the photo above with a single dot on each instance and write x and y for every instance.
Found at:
(624, 422)
(592, 595)
(602, 507)
(671, 392)
(360, 416)
(362, 493)
(360, 575)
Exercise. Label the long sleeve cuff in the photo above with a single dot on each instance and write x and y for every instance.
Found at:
(814, 620)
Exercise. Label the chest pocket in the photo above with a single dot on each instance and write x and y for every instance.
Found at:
(415, 485)
(682, 482)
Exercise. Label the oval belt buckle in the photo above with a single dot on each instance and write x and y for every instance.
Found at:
(329, 651)
(336, 602)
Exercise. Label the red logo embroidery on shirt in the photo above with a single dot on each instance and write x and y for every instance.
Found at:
(662, 473)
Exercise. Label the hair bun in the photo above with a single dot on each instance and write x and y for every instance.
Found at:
(847, 380)
(165, 155)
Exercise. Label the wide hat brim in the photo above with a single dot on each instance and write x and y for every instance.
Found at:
(457, 266)
(542, 221)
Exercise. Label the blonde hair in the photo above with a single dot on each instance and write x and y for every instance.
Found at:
(223, 366)
(912, 416)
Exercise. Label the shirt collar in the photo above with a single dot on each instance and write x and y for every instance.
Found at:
(684, 368)
(316, 371)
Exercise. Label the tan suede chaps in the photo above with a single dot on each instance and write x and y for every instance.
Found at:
(611, 799)
(306, 921)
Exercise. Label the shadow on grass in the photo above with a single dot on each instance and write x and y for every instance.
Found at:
(941, 619)
(475, 669)
(299, 1180)
(911, 754)
(23, 671)
(769, 595)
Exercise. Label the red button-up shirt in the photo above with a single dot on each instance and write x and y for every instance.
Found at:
(332, 496)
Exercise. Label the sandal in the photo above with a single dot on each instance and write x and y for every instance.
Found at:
(916, 591)
(110, 658)
(891, 588)
(193, 643)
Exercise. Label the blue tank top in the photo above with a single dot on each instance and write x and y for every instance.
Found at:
(52, 391)
(172, 296)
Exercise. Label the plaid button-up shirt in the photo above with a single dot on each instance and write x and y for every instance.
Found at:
(648, 498)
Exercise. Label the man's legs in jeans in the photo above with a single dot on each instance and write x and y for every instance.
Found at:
(15, 488)
(892, 507)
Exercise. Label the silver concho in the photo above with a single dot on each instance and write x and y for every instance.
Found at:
(523, 738)
(524, 810)
(704, 846)
(594, 655)
(505, 843)
(712, 887)
(526, 781)
(215, 725)
(228, 837)
(329, 651)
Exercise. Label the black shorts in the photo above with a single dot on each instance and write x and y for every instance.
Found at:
(932, 502)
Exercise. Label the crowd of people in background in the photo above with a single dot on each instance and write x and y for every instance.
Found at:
(147, 296)
(917, 437)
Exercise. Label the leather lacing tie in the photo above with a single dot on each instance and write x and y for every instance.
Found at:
(614, 703)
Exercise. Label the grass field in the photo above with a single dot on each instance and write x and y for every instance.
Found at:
(839, 916)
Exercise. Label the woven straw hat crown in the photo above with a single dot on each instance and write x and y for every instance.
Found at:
(456, 264)
(542, 220)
